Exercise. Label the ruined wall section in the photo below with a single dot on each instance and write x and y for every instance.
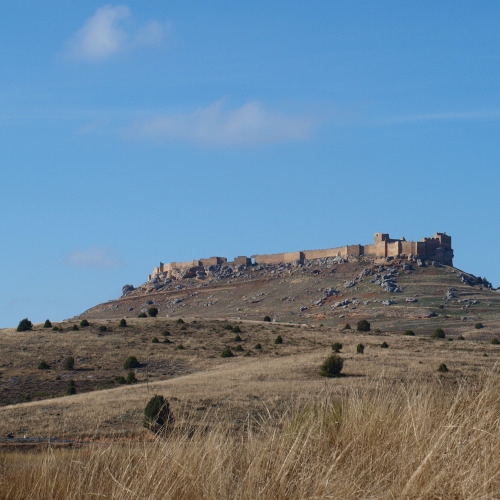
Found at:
(326, 253)
(278, 258)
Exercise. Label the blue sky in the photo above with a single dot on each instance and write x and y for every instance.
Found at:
(143, 131)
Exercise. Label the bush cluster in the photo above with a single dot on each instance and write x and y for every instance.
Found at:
(24, 325)
(157, 414)
(332, 366)
(363, 326)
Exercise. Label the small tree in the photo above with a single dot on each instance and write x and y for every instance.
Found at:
(131, 379)
(24, 325)
(478, 326)
(75, 328)
(258, 347)
(236, 329)
(69, 363)
(384, 345)
(279, 340)
(123, 323)
(495, 341)
(155, 340)
(142, 315)
(157, 415)
(363, 326)
(227, 353)
(443, 368)
(332, 366)
(131, 362)
(409, 332)
(438, 333)
(71, 388)
(47, 324)
(180, 321)
(336, 347)
(267, 318)
(84, 323)
(103, 329)
(347, 327)
(43, 366)
(153, 312)
(360, 348)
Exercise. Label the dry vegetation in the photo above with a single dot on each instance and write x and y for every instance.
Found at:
(263, 423)
(410, 439)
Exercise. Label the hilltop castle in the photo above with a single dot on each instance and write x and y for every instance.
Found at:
(437, 247)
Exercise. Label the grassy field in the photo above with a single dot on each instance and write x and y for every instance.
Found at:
(403, 439)
(262, 423)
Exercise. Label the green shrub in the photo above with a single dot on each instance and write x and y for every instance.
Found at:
(384, 345)
(267, 318)
(495, 341)
(155, 340)
(347, 327)
(142, 315)
(237, 338)
(180, 347)
(363, 326)
(69, 363)
(131, 362)
(24, 325)
(84, 323)
(120, 380)
(43, 366)
(258, 347)
(478, 326)
(71, 388)
(75, 328)
(228, 327)
(103, 329)
(238, 348)
(227, 353)
(438, 334)
(180, 321)
(166, 333)
(166, 340)
(47, 324)
(123, 323)
(336, 347)
(409, 333)
(442, 368)
(157, 415)
(236, 329)
(153, 312)
(184, 327)
(360, 348)
(278, 340)
(131, 379)
(332, 366)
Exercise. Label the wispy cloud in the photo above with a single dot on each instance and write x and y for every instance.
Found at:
(94, 258)
(213, 125)
(111, 31)
(447, 116)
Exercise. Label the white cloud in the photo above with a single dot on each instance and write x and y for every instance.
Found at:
(94, 258)
(216, 126)
(109, 32)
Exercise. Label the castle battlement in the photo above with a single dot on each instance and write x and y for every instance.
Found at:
(437, 247)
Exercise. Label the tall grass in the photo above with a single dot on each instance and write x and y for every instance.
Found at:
(406, 440)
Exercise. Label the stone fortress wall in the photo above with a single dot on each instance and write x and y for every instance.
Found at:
(437, 247)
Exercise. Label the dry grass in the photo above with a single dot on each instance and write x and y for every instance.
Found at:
(409, 439)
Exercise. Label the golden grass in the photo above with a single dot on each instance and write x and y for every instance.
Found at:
(409, 439)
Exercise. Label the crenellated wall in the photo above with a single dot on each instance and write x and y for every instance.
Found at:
(437, 247)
